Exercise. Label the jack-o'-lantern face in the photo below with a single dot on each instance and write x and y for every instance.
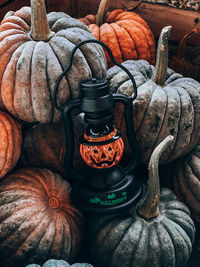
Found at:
(102, 156)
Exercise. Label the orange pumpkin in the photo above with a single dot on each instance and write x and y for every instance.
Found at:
(10, 142)
(38, 220)
(126, 34)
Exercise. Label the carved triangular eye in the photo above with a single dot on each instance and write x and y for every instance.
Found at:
(109, 149)
(96, 151)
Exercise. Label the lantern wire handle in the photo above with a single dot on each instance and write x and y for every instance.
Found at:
(70, 64)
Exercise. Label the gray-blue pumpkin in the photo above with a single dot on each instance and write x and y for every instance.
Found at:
(158, 232)
(59, 263)
(167, 103)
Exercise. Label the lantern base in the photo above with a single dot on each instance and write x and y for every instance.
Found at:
(110, 199)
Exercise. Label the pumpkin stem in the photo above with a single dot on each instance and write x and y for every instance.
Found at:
(183, 42)
(40, 30)
(149, 206)
(101, 13)
(160, 70)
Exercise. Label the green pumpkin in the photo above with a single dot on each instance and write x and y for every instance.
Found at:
(60, 263)
(167, 103)
(157, 232)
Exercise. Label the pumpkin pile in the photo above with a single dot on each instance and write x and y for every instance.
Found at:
(40, 223)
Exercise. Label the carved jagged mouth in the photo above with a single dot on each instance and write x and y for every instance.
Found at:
(99, 164)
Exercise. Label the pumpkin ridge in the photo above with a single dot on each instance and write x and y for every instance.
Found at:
(110, 39)
(151, 249)
(158, 117)
(187, 227)
(23, 177)
(131, 46)
(40, 241)
(8, 25)
(88, 57)
(16, 20)
(157, 140)
(170, 246)
(140, 246)
(4, 168)
(14, 133)
(21, 94)
(178, 253)
(141, 44)
(176, 182)
(73, 88)
(186, 192)
(40, 94)
(146, 33)
(191, 179)
(52, 234)
(195, 104)
(191, 159)
(19, 225)
(119, 241)
(60, 63)
(173, 151)
(28, 237)
(7, 92)
(117, 37)
(10, 32)
(40, 245)
(145, 112)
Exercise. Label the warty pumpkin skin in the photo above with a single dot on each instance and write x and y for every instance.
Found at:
(38, 220)
(157, 232)
(60, 263)
(183, 177)
(34, 51)
(126, 34)
(167, 103)
(10, 142)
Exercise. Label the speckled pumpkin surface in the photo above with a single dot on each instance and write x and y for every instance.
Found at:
(60, 263)
(157, 232)
(34, 51)
(167, 103)
(38, 221)
(10, 142)
(183, 176)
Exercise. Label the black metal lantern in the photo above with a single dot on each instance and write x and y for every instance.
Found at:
(105, 186)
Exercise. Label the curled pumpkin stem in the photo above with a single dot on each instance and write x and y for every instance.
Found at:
(101, 13)
(160, 70)
(40, 30)
(183, 42)
(148, 209)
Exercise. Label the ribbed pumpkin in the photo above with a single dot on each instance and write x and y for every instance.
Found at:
(181, 61)
(10, 142)
(126, 33)
(60, 263)
(44, 145)
(183, 176)
(167, 103)
(34, 50)
(156, 232)
(38, 220)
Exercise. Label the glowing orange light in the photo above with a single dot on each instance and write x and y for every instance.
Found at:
(102, 156)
